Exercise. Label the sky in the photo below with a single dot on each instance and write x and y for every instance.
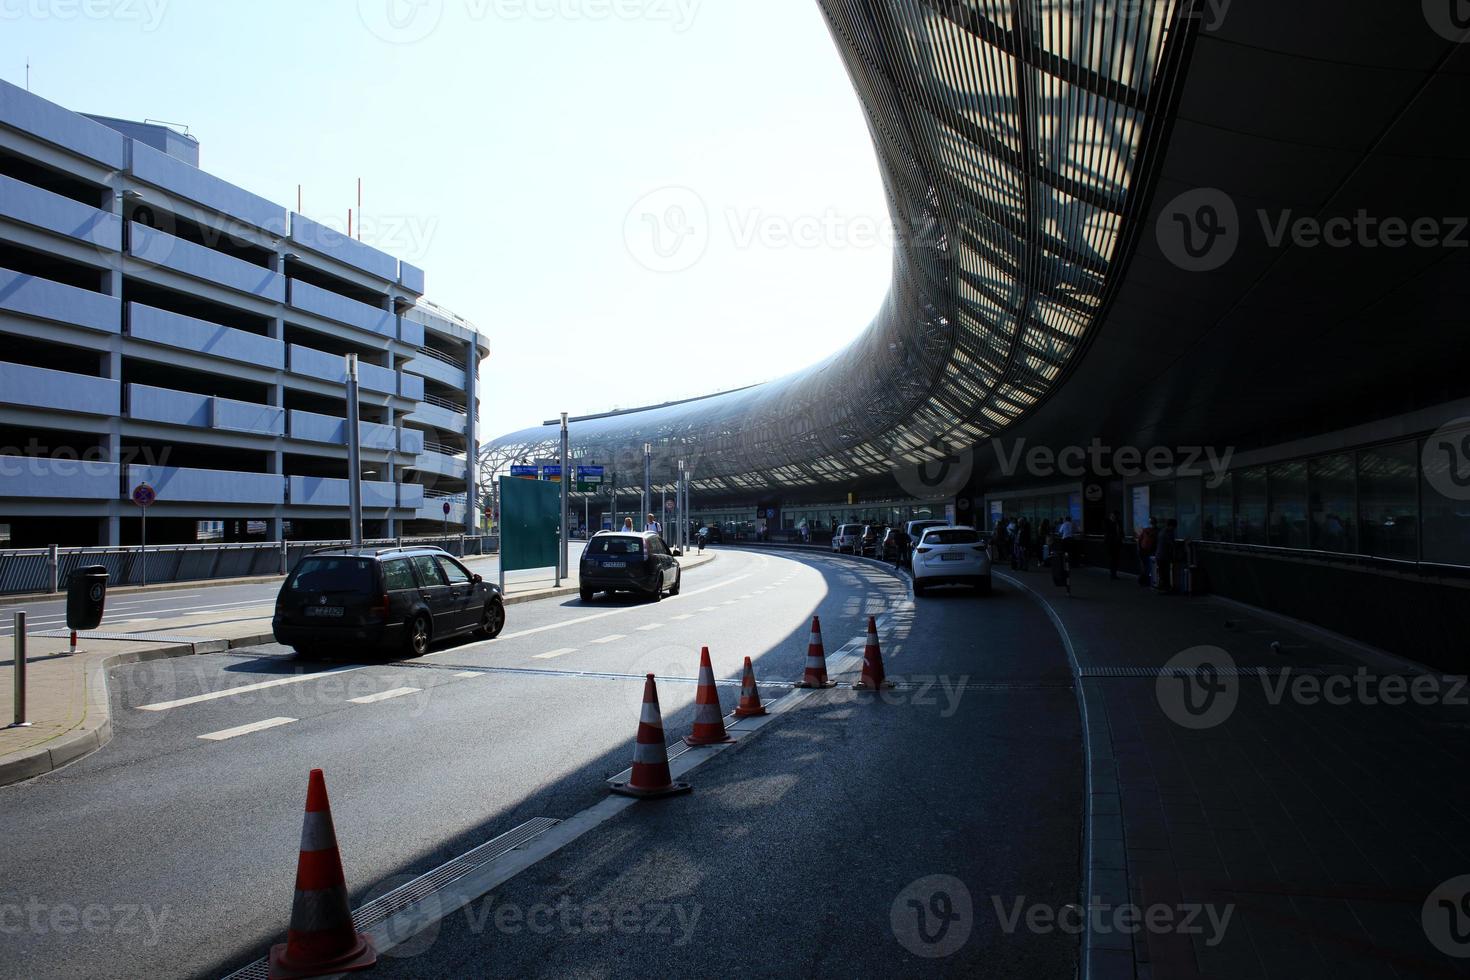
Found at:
(683, 185)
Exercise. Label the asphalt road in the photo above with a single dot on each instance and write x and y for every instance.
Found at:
(172, 854)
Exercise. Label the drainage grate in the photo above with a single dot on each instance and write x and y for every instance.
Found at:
(384, 907)
(595, 674)
(1217, 670)
(150, 637)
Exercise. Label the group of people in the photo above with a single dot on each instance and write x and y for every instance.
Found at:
(1158, 559)
(1015, 538)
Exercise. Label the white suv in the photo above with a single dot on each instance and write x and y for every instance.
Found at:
(847, 538)
(950, 556)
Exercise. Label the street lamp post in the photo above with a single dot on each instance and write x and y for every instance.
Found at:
(561, 568)
(647, 479)
(354, 453)
(679, 506)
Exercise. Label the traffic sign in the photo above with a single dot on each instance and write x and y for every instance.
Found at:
(446, 508)
(143, 495)
(525, 472)
(589, 478)
(551, 473)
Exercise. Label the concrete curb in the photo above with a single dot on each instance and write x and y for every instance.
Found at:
(95, 728)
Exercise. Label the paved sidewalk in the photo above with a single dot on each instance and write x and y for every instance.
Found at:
(66, 697)
(1316, 801)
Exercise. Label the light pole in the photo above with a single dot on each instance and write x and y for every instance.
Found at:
(647, 479)
(354, 454)
(561, 568)
(679, 510)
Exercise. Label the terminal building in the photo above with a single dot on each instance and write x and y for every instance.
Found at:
(1115, 291)
(159, 325)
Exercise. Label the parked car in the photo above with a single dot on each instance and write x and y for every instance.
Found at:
(715, 535)
(952, 556)
(916, 531)
(896, 546)
(846, 538)
(392, 599)
(621, 562)
(872, 538)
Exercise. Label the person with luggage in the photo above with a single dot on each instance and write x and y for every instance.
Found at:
(1148, 542)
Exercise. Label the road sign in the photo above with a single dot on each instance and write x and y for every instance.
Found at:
(551, 473)
(143, 495)
(526, 472)
(589, 479)
(446, 508)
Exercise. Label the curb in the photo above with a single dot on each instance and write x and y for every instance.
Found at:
(82, 740)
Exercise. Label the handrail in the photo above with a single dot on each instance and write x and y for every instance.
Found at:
(439, 355)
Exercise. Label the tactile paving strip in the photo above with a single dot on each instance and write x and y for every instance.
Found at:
(400, 898)
(150, 637)
(1217, 670)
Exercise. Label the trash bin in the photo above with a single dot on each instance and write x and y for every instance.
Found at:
(86, 594)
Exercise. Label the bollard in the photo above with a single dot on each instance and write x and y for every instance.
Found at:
(461, 546)
(285, 557)
(53, 563)
(20, 673)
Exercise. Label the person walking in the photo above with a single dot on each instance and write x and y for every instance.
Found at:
(1023, 544)
(1113, 543)
(1148, 541)
(628, 525)
(1168, 537)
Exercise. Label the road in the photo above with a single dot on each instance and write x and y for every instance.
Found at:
(179, 838)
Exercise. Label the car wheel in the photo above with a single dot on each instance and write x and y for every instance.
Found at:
(657, 594)
(586, 594)
(983, 587)
(418, 636)
(678, 581)
(492, 620)
(309, 651)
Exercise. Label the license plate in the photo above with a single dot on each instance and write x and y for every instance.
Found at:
(952, 556)
(614, 564)
(326, 612)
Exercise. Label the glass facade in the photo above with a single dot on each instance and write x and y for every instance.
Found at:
(1392, 501)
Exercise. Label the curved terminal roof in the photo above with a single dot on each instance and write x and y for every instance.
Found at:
(1015, 142)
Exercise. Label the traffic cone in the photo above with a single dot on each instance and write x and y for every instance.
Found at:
(816, 660)
(709, 716)
(650, 757)
(750, 696)
(873, 675)
(321, 939)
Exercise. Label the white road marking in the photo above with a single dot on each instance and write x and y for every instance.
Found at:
(244, 689)
(397, 692)
(652, 626)
(470, 673)
(683, 616)
(141, 619)
(553, 654)
(609, 639)
(729, 602)
(254, 726)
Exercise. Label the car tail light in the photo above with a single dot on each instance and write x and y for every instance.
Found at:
(923, 550)
(380, 606)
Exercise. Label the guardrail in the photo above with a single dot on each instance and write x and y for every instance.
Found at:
(35, 570)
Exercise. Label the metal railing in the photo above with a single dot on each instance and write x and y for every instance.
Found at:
(440, 355)
(443, 403)
(29, 570)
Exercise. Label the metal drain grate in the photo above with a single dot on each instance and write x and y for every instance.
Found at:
(150, 637)
(385, 906)
(552, 672)
(1217, 670)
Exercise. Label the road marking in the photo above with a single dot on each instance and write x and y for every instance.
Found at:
(141, 619)
(553, 654)
(470, 673)
(244, 689)
(709, 608)
(609, 639)
(683, 616)
(254, 726)
(729, 602)
(652, 626)
(397, 692)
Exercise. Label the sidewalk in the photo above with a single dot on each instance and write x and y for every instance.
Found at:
(1308, 791)
(66, 696)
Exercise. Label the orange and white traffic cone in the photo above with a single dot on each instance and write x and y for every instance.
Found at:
(650, 757)
(750, 696)
(321, 939)
(816, 660)
(873, 675)
(709, 716)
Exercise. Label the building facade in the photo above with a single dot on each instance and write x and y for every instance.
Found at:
(160, 325)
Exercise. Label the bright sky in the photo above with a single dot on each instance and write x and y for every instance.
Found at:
(686, 185)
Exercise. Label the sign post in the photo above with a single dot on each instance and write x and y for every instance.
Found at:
(143, 496)
(446, 518)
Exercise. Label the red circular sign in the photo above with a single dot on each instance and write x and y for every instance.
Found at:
(143, 495)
